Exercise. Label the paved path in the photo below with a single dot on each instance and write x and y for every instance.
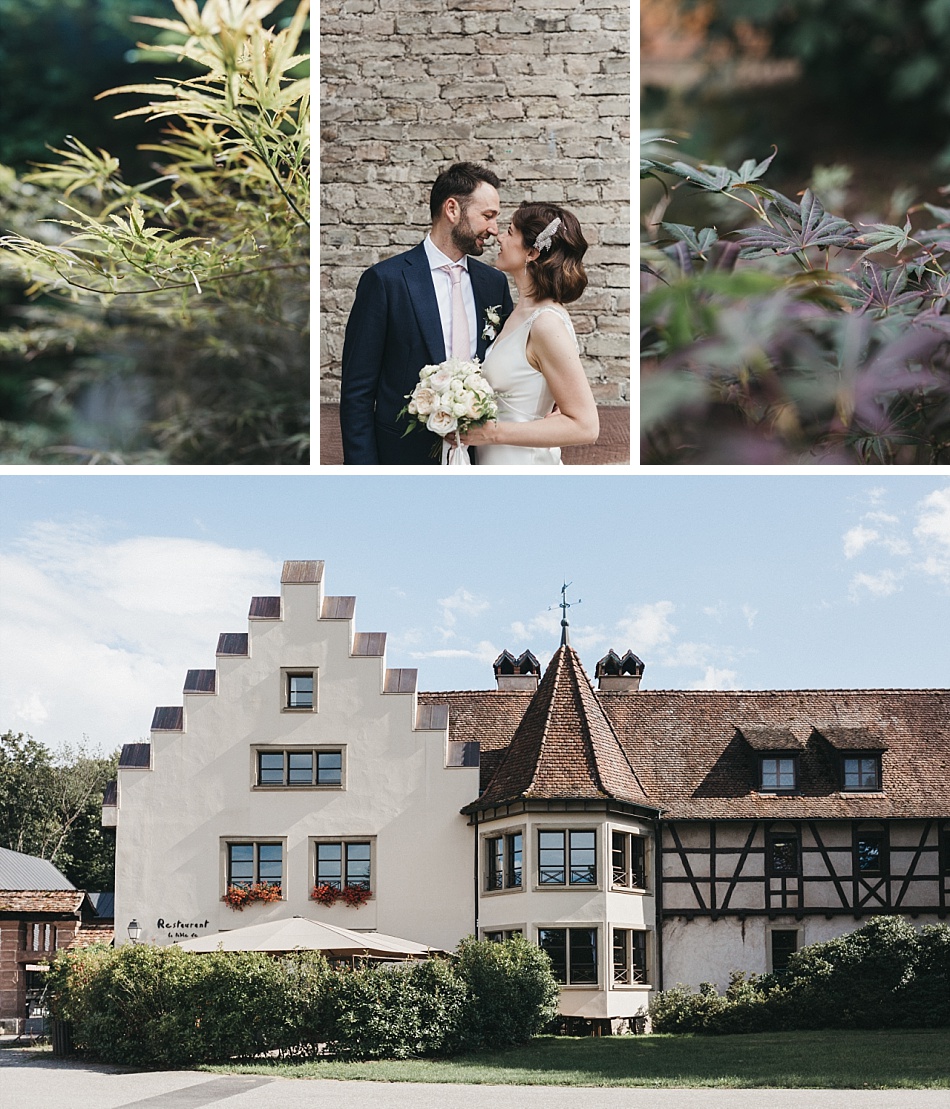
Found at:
(32, 1081)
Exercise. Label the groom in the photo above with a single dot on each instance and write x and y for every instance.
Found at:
(418, 309)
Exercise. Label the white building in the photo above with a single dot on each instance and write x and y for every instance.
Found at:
(304, 767)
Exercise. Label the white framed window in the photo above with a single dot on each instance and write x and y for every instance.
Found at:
(344, 863)
(629, 957)
(628, 860)
(573, 954)
(298, 767)
(861, 773)
(298, 689)
(502, 934)
(250, 862)
(779, 774)
(504, 861)
(567, 857)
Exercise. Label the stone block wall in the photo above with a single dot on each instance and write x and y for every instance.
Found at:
(537, 89)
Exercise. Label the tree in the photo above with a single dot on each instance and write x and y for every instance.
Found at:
(50, 806)
(200, 272)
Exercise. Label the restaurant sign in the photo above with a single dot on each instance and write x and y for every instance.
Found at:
(181, 929)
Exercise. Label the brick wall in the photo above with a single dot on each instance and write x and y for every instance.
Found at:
(537, 89)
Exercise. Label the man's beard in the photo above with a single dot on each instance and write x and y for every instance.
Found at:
(464, 238)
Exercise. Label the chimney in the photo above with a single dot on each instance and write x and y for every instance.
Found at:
(619, 674)
(523, 672)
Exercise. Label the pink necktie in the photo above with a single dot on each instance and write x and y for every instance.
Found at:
(461, 347)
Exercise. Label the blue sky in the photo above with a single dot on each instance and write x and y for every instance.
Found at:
(114, 585)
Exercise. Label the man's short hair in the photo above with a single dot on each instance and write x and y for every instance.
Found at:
(460, 181)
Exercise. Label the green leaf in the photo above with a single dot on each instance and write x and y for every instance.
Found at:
(884, 236)
(789, 233)
(719, 179)
(698, 241)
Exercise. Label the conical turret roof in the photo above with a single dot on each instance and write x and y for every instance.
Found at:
(564, 747)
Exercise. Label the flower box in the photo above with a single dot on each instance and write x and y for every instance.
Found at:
(353, 896)
(237, 897)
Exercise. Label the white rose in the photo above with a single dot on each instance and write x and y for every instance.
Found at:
(425, 401)
(473, 410)
(442, 423)
(440, 380)
(459, 407)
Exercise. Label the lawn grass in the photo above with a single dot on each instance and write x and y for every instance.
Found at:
(893, 1059)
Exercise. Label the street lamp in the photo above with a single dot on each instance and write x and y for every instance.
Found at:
(135, 931)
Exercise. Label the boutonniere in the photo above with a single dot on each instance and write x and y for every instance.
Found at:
(493, 323)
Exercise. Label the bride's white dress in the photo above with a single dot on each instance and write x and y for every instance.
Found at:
(526, 393)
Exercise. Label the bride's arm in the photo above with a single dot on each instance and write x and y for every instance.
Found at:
(552, 351)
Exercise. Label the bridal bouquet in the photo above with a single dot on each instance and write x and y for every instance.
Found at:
(451, 398)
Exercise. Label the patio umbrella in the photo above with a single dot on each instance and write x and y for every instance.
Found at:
(299, 933)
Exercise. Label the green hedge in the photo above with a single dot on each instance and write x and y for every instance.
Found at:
(164, 1007)
(884, 975)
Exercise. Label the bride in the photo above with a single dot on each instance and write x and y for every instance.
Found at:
(546, 400)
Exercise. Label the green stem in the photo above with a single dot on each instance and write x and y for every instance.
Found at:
(181, 285)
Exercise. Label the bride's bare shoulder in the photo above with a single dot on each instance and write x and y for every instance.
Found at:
(551, 323)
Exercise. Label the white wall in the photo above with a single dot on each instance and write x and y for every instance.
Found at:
(174, 818)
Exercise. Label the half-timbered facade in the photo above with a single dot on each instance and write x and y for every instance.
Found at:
(792, 816)
(642, 838)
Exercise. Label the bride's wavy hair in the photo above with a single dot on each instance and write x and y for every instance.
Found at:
(558, 272)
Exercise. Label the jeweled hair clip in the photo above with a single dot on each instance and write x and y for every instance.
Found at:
(543, 241)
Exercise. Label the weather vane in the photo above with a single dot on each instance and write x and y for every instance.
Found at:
(564, 606)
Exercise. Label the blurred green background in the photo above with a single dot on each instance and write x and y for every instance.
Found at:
(862, 85)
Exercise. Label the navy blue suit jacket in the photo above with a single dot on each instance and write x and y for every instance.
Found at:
(393, 331)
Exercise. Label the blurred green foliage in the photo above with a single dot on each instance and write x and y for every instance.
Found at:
(875, 64)
(167, 322)
(55, 57)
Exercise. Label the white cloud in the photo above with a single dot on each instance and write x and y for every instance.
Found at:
(480, 652)
(714, 678)
(715, 612)
(647, 627)
(105, 630)
(878, 585)
(750, 614)
(543, 625)
(690, 654)
(933, 534)
(461, 603)
(857, 538)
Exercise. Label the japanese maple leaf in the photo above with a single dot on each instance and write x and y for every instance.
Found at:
(793, 228)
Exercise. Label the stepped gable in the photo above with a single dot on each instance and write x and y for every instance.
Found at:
(564, 747)
(693, 753)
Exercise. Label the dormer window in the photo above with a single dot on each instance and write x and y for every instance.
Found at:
(777, 751)
(778, 773)
(861, 773)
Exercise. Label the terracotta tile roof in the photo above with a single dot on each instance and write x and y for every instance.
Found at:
(41, 901)
(771, 739)
(89, 934)
(564, 746)
(855, 739)
(690, 751)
